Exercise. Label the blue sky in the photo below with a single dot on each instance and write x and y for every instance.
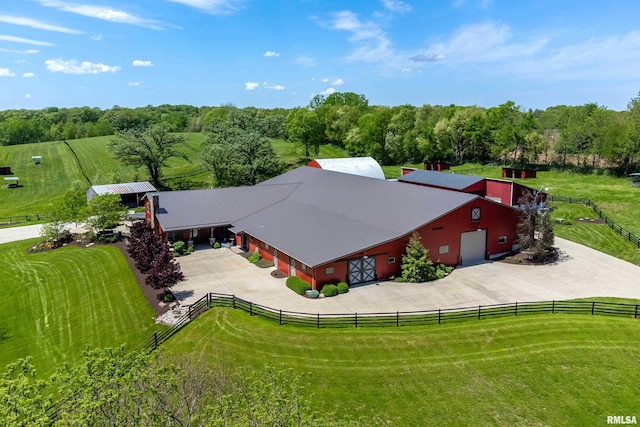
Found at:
(280, 53)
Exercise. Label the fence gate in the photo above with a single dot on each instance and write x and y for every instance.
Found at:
(362, 270)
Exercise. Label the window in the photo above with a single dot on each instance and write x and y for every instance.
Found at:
(475, 214)
(328, 270)
(443, 249)
(303, 267)
(502, 240)
(266, 246)
(391, 260)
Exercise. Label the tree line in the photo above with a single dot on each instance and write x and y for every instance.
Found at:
(588, 135)
(119, 388)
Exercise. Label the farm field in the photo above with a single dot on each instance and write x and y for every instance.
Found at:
(532, 370)
(48, 181)
(60, 301)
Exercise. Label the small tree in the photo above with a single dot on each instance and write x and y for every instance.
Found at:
(144, 246)
(535, 229)
(105, 211)
(416, 266)
(165, 271)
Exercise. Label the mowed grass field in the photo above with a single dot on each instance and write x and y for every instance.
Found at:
(44, 183)
(531, 370)
(58, 302)
(40, 184)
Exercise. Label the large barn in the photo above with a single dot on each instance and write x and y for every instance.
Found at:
(327, 226)
(501, 190)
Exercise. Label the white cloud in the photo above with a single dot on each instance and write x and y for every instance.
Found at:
(328, 91)
(613, 57)
(397, 6)
(305, 61)
(271, 53)
(272, 86)
(27, 95)
(325, 80)
(105, 13)
(73, 67)
(141, 63)
(428, 57)
(134, 84)
(28, 22)
(96, 37)
(251, 85)
(5, 72)
(15, 39)
(29, 51)
(337, 82)
(486, 42)
(372, 44)
(214, 7)
(407, 70)
(27, 75)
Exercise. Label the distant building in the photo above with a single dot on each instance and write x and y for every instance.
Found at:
(363, 166)
(499, 190)
(131, 193)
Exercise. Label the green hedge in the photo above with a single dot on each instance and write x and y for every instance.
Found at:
(297, 285)
(343, 288)
(329, 290)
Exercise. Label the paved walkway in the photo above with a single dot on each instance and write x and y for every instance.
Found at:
(13, 234)
(581, 272)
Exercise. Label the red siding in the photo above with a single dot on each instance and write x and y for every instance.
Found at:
(497, 219)
(501, 190)
(314, 164)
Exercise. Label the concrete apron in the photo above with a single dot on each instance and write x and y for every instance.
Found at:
(581, 272)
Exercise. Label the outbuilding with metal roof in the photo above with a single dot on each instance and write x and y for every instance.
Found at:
(131, 193)
(363, 166)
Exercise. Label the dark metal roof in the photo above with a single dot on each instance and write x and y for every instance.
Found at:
(331, 215)
(441, 179)
(180, 210)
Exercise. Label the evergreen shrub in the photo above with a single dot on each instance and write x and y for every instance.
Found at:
(298, 285)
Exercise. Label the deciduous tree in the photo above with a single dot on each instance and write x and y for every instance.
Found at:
(149, 148)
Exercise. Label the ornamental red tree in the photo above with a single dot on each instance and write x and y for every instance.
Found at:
(144, 246)
(165, 271)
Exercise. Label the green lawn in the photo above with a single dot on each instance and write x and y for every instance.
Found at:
(40, 183)
(58, 302)
(533, 370)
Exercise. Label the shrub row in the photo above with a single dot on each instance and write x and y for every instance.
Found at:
(298, 285)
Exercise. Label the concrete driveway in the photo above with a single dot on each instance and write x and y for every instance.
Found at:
(581, 272)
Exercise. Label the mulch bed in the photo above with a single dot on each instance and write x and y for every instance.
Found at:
(152, 295)
(522, 258)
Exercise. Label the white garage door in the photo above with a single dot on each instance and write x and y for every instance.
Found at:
(473, 246)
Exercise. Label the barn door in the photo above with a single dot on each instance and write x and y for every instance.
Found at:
(473, 246)
(362, 270)
(292, 267)
(275, 258)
